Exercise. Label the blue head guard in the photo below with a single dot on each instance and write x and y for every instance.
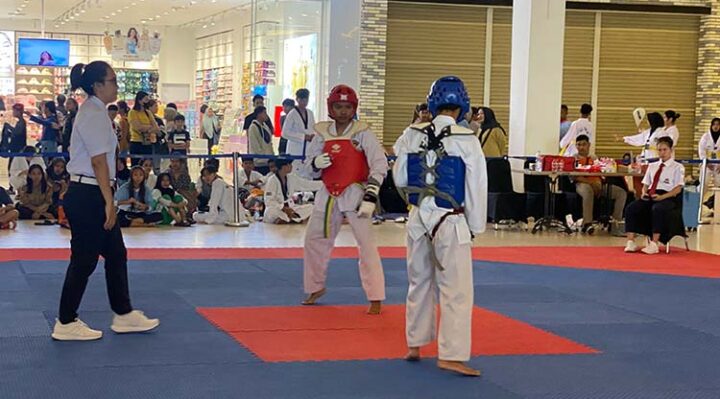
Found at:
(448, 90)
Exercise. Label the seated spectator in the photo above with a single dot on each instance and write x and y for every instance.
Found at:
(260, 139)
(178, 137)
(249, 178)
(35, 197)
(279, 205)
(122, 174)
(222, 198)
(169, 203)
(58, 176)
(19, 167)
(8, 214)
(662, 183)
(149, 167)
(134, 199)
(590, 188)
(272, 169)
(203, 189)
(181, 182)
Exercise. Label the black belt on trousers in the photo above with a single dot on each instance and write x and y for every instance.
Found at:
(457, 211)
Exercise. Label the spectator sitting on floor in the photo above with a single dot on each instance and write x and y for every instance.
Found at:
(149, 168)
(122, 174)
(8, 214)
(279, 205)
(169, 203)
(249, 178)
(59, 178)
(35, 198)
(663, 182)
(222, 198)
(19, 167)
(181, 182)
(590, 188)
(203, 188)
(134, 199)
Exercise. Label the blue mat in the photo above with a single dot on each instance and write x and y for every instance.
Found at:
(659, 335)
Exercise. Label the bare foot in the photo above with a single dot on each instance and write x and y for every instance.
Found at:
(413, 354)
(458, 367)
(375, 307)
(312, 298)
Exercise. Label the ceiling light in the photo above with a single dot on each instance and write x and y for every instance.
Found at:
(204, 26)
(166, 13)
(157, 16)
(150, 19)
(72, 17)
(119, 10)
(212, 23)
(112, 13)
(82, 11)
(143, 21)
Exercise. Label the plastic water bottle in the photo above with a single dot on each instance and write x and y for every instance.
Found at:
(538, 162)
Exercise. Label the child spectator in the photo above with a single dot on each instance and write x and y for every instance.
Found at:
(260, 139)
(203, 188)
(181, 182)
(279, 205)
(169, 203)
(19, 167)
(36, 196)
(134, 199)
(8, 214)
(122, 174)
(179, 137)
(272, 169)
(220, 206)
(58, 176)
(149, 168)
(249, 178)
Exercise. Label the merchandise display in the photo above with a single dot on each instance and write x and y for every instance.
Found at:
(214, 87)
(130, 81)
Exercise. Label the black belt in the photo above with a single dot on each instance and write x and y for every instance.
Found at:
(458, 211)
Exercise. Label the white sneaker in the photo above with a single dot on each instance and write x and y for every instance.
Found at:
(651, 248)
(631, 246)
(75, 331)
(133, 322)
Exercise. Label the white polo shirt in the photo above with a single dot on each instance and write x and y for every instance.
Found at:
(673, 175)
(92, 135)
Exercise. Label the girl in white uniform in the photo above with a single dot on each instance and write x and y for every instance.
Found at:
(280, 208)
(670, 118)
(709, 148)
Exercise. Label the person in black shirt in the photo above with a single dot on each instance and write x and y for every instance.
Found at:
(258, 101)
(18, 140)
(179, 138)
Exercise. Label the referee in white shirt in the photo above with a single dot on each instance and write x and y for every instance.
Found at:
(92, 213)
(662, 186)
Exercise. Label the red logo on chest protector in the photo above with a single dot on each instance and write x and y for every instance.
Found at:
(349, 166)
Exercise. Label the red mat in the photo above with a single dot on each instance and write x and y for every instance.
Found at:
(322, 333)
(678, 263)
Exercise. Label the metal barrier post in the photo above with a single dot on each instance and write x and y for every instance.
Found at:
(703, 176)
(236, 183)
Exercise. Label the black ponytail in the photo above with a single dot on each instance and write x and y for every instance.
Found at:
(85, 76)
(672, 115)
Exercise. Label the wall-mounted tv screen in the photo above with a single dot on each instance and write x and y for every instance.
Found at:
(43, 52)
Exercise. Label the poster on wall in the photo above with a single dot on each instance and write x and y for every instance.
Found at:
(132, 46)
(7, 62)
(300, 56)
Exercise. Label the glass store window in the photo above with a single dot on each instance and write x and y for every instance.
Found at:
(284, 45)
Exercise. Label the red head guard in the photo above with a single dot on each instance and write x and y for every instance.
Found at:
(342, 93)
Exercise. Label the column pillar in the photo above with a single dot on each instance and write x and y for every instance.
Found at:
(536, 76)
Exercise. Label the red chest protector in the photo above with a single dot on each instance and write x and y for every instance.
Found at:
(349, 165)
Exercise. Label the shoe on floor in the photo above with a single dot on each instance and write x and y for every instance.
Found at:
(133, 322)
(75, 331)
(631, 246)
(651, 248)
(588, 229)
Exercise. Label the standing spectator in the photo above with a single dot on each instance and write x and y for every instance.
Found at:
(143, 128)
(179, 138)
(124, 139)
(61, 104)
(160, 146)
(577, 128)
(670, 118)
(201, 119)
(288, 104)
(493, 138)
(258, 101)
(299, 127)
(564, 122)
(35, 197)
(709, 148)
(113, 111)
(260, 139)
(72, 108)
(169, 203)
(18, 140)
(212, 129)
(134, 200)
(421, 114)
(51, 127)
(169, 114)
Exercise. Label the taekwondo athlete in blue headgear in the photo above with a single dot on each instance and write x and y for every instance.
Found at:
(441, 169)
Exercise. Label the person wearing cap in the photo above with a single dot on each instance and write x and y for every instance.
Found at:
(351, 162)
(92, 212)
(440, 166)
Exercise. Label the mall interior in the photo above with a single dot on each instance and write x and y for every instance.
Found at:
(588, 134)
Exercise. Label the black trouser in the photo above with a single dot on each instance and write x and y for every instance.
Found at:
(643, 216)
(85, 209)
(138, 148)
(125, 218)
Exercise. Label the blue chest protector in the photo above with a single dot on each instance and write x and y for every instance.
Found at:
(448, 172)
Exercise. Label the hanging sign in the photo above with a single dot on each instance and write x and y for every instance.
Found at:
(132, 46)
